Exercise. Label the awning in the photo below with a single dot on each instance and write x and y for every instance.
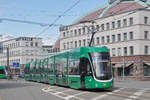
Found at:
(147, 63)
(120, 65)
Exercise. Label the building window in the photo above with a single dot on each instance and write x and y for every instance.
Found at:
(36, 44)
(75, 44)
(67, 33)
(97, 27)
(119, 23)
(146, 70)
(146, 50)
(67, 45)
(108, 39)
(71, 44)
(113, 52)
(131, 35)
(63, 34)
(124, 22)
(79, 43)
(131, 21)
(97, 39)
(102, 27)
(125, 36)
(146, 35)
(107, 26)
(88, 41)
(26, 44)
(83, 30)
(119, 37)
(125, 51)
(75, 32)
(103, 40)
(71, 33)
(31, 44)
(64, 46)
(113, 38)
(84, 42)
(113, 25)
(119, 51)
(79, 31)
(145, 20)
(131, 50)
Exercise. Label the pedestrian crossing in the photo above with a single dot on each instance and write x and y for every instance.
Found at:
(110, 94)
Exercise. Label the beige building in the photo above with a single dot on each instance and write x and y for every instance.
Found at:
(124, 27)
(21, 50)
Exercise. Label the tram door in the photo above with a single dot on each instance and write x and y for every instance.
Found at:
(57, 73)
(84, 69)
(64, 73)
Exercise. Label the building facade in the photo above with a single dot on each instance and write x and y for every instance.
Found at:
(21, 50)
(124, 27)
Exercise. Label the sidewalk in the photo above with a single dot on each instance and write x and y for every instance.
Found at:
(132, 84)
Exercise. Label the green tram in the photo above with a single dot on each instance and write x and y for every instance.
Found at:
(3, 72)
(84, 67)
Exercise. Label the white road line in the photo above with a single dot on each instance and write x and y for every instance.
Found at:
(80, 93)
(136, 94)
(107, 94)
(100, 97)
(118, 90)
(57, 93)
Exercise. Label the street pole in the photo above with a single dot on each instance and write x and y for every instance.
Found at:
(8, 67)
(93, 33)
(123, 65)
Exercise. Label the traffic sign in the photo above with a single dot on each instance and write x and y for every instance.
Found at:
(16, 64)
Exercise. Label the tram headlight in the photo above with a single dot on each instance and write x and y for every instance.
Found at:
(104, 84)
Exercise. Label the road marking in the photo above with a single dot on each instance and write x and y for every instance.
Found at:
(136, 94)
(107, 94)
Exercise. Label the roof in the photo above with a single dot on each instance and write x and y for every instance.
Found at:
(117, 7)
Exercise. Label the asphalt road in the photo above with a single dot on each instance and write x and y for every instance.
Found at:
(22, 90)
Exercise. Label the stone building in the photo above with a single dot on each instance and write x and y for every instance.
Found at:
(124, 27)
(21, 50)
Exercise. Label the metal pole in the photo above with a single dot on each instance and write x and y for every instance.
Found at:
(93, 33)
(9, 71)
(123, 66)
(90, 43)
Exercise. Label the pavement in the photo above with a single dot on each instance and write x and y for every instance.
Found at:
(25, 90)
(132, 84)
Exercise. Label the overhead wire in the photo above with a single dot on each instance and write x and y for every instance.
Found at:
(58, 18)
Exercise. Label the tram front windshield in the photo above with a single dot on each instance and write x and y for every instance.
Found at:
(101, 65)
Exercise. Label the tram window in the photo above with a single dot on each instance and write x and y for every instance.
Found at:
(2, 71)
(37, 71)
(51, 69)
(64, 68)
(85, 66)
(74, 67)
(60, 68)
